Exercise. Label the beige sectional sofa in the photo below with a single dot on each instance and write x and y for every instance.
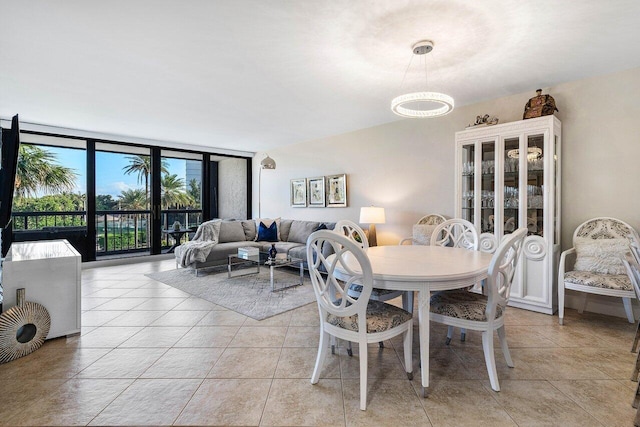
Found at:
(235, 234)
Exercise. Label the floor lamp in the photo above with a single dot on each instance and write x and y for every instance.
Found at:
(372, 215)
(266, 163)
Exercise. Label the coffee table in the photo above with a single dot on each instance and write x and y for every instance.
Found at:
(263, 259)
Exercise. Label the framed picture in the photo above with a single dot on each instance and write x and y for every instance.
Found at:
(299, 193)
(336, 186)
(315, 192)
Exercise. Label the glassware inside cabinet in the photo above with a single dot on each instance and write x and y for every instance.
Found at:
(535, 184)
(511, 184)
(468, 175)
(487, 187)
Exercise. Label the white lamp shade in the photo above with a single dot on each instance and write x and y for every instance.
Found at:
(372, 215)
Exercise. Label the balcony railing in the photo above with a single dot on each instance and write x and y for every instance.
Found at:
(117, 231)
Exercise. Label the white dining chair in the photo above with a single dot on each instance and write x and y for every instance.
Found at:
(359, 320)
(593, 266)
(484, 313)
(456, 233)
(632, 267)
(355, 233)
(423, 229)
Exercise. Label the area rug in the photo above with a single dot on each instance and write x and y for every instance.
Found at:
(249, 295)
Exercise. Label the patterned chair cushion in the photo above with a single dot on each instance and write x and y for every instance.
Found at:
(609, 281)
(380, 317)
(461, 304)
(375, 292)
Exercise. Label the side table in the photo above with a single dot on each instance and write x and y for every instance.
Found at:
(177, 237)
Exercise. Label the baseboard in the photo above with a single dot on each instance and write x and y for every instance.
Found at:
(124, 261)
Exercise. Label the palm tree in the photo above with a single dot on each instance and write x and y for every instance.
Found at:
(174, 192)
(141, 165)
(135, 199)
(37, 170)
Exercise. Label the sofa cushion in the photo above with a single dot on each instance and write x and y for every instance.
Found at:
(267, 222)
(281, 247)
(267, 233)
(249, 228)
(231, 231)
(285, 226)
(600, 255)
(300, 231)
(222, 250)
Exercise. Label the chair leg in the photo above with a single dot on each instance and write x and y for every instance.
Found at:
(560, 301)
(490, 360)
(322, 353)
(381, 344)
(449, 334)
(408, 357)
(628, 309)
(363, 375)
(505, 348)
(636, 369)
(636, 339)
(407, 301)
(463, 334)
(583, 303)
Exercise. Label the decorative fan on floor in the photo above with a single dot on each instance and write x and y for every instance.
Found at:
(23, 328)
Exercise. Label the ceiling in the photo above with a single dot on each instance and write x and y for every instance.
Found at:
(257, 74)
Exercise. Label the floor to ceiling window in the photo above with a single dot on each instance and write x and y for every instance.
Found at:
(123, 179)
(50, 190)
(110, 198)
(181, 191)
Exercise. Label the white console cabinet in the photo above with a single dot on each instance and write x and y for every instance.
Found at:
(50, 272)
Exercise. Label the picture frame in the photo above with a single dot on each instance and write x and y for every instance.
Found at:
(298, 190)
(336, 191)
(315, 192)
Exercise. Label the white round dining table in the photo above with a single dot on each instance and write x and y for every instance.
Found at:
(422, 269)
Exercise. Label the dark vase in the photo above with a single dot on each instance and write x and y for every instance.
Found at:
(273, 252)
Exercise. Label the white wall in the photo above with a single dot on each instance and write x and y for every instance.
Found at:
(406, 166)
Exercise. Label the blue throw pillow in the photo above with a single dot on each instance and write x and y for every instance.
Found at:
(322, 226)
(267, 234)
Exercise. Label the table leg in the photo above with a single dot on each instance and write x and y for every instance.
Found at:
(423, 326)
(273, 288)
(301, 273)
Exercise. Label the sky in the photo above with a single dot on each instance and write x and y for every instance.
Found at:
(110, 176)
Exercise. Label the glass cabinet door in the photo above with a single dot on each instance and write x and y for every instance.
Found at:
(535, 184)
(468, 175)
(487, 187)
(511, 184)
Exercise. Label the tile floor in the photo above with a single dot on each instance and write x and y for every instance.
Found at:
(150, 354)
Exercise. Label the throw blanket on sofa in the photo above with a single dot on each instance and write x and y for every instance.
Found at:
(198, 249)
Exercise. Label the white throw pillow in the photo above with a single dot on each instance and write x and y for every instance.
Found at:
(422, 234)
(600, 255)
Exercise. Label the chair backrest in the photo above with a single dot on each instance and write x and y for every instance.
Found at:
(331, 293)
(633, 271)
(501, 271)
(457, 233)
(605, 228)
(352, 231)
(431, 219)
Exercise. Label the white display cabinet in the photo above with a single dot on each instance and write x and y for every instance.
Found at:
(50, 272)
(499, 188)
